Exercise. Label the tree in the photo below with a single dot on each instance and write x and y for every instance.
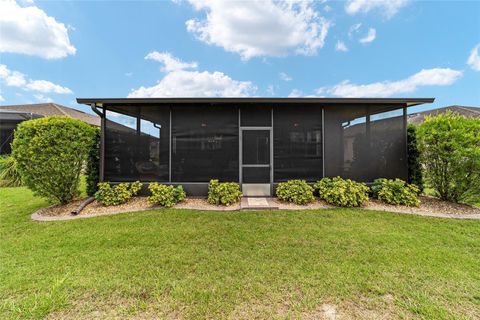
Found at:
(450, 151)
(50, 153)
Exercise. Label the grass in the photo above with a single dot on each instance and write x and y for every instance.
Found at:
(194, 264)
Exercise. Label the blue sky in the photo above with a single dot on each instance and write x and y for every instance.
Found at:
(59, 50)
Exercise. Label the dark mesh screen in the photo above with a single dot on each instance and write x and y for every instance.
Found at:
(364, 150)
(256, 147)
(205, 143)
(387, 144)
(256, 116)
(6, 136)
(136, 144)
(297, 133)
(256, 174)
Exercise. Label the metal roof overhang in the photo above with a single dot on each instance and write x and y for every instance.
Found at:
(325, 101)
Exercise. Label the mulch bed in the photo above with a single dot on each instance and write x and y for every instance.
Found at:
(429, 206)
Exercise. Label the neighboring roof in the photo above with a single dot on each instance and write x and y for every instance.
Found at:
(11, 115)
(53, 109)
(419, 117)
(136, 101)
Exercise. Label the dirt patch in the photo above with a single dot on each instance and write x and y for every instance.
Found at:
(428, 206)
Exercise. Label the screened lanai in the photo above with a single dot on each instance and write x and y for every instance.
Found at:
(257, 142)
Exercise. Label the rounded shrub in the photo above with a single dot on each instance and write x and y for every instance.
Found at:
(396, 192)
(342, 192)
(164, 195)
(225, 193)
(295, 191)
(50, 153)
(450, 153)
(109, 195)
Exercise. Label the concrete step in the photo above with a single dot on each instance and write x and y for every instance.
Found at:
(258, 203)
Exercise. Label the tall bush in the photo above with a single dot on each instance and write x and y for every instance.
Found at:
(414, 166)
(450, 151)
(93, 165)
(49, 153)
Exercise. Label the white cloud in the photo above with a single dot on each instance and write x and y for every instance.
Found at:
(42, 98)
(371, 35)
(191, 83)
(387, 7)
(426, 77)
(341, 46)
(353, 29)
(474, 59)
(170, 63)
(327, 8)
(271, 90)
(29, 30)
(1, 98)
(18, 79)
(285, 77)
(295, 93)
(260, 28)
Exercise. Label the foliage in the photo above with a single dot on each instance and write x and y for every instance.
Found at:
(396, 192)
(295, 191)
(342, 192)
(450, 152)
(225, 193)
(414, 166)
(164, 195)
(9, 175)
(93, 165)
(109, 195)
(50, 153)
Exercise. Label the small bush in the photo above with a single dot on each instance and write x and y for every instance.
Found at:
(164, 195)
(415, 175)
(93, 165)
(295, 191)
(109, 195)
(9, 175)
(396, 192)
(50, 153)
(341, 192)
(225, 193)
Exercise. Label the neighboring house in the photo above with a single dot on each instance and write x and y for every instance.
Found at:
(12, 115)
(257, 142)
(419, 117)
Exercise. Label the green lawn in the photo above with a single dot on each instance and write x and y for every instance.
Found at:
(191, 264)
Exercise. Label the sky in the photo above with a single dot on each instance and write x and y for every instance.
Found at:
(61, 50)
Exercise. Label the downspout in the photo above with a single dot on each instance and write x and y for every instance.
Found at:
(101, 170)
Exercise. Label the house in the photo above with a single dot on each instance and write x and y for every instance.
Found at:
(12, 115)
(419, 117)
(257, 142)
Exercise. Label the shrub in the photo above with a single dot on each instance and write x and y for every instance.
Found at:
(164, 195)
(9, 175)
(50, 153)
(295, 191)
(450, 151)
(341, 192)
(93, 165)
(396, 192)
(109, 195)
(225, 193)
(414, 166)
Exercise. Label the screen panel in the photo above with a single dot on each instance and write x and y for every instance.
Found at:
(256, 116)
(204, 143)
(364, 143)
(256, 147)
(297, 132)
(136, 143)
(256, 175)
